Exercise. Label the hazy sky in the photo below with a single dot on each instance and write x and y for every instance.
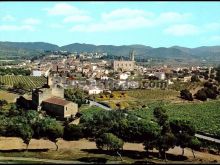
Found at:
(156, 24)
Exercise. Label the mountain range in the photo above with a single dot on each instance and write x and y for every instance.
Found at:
(30, 49)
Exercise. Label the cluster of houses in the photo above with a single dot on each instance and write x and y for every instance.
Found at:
(94, 77)
(97, 76)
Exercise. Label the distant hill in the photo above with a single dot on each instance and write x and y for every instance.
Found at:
(29, 49)
(24, 49)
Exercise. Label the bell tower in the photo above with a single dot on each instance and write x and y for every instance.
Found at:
(132, 55)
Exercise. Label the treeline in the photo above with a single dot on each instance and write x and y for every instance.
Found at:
(16, 122)
(109, 129)
(14, 71)
(210, 88)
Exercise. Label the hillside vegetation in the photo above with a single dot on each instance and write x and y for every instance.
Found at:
(27, 49)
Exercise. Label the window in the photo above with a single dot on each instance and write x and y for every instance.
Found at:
(66, 108)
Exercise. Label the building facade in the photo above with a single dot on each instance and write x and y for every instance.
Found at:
(123, 65)
(60, 108)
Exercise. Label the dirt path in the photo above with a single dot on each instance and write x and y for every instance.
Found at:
(39, 160)
(9, 143)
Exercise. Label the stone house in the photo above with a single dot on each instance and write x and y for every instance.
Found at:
(60, 108)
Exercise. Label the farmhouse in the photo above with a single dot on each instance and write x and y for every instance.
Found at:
(50, 98)
(60, 108)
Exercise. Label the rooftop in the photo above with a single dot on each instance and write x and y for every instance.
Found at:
(57, 101)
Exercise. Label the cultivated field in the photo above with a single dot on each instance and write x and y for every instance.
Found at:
(152, 94)
(9, 97)
(204, 115)
(135, 99)
(29, 81)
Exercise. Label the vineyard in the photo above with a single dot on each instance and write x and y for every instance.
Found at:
(29, 81)
(205, 116)
(152, 94)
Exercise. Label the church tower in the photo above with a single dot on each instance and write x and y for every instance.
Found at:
(132, 55)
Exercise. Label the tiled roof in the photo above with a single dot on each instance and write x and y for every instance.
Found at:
(57, 101)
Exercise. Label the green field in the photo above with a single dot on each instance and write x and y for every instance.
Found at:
(29, 81)
(204, 116)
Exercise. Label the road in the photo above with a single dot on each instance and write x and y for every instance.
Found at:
(99, 105)
(207, 138)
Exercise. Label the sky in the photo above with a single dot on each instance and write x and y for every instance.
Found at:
(156, 23)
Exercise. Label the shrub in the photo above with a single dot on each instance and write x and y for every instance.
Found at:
(201, 95)
(185, 94)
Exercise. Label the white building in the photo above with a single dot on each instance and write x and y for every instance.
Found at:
(123, 76)
(36, 73)
(104, 77)
(160, 75)
(92, 89)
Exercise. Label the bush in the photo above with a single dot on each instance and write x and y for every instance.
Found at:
(201, 95)
(185, 94)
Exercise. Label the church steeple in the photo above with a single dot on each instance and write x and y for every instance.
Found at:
(132, 55)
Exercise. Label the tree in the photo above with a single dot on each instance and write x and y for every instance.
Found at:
(184, 132)
(195, 78)
(194, 145)
(109, 141)
(166, 138)
(75, 95)
(165, 142)
(218, 74)
(73, 132)
(101, 122)
(185, 94)
(3, 102)
(26, 133)
(160, 115)
(150, 133)
(18, 126)
(48, 128)
(210, 93)
(54, 131)
(201, 95)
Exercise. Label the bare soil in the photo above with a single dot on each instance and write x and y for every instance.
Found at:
(13, 143)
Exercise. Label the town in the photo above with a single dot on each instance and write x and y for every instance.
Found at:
(66, 86)
(109, 82)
